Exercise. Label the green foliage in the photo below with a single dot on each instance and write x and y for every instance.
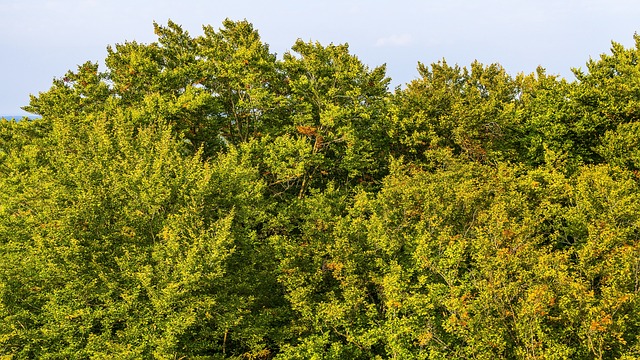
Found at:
(124, 246)
(201, 198)
(470, 111)
(547, 135)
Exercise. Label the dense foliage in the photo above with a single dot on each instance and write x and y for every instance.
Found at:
(201, 198)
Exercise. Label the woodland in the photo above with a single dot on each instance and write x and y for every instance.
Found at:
(203, 198)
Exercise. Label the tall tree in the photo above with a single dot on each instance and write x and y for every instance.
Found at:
(469, 111)
(337, 107)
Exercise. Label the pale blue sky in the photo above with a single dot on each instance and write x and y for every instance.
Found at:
(42, 39)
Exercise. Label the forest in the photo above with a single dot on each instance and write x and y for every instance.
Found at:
(202, 198)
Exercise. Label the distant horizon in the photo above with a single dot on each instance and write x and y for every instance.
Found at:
(19, 117)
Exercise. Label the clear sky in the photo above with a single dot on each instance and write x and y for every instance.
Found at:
(42, 39)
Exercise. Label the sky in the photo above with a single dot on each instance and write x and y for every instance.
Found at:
(42, 39)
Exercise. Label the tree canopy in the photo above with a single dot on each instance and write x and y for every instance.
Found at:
(203, 198)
